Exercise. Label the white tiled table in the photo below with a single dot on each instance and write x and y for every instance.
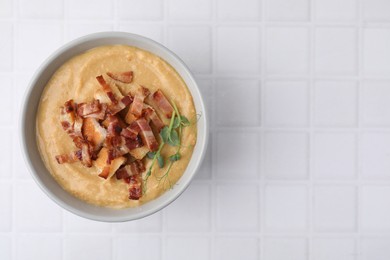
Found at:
(298, 166)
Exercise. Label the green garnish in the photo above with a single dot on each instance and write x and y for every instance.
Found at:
(170, 135)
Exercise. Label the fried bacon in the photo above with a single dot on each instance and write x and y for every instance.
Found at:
(85, 109)
(107, 88)
(162, 103)
(122, 104)
(131, 131)
(136, 167)
(69, 158)
(135, 190)
(124, 77)
(152, 116)
(147, 135)
(138, 102)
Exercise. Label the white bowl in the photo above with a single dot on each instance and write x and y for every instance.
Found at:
(28, 133)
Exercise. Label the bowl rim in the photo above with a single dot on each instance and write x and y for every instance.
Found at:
(24, 107)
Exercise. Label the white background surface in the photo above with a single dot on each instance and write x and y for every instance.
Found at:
(298, 166)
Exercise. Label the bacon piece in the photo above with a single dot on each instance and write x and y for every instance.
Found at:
(136, 167)
(147, 135)
(138, 102)
(99, 115)
(86, 155)
(69, 158)
(67, 115)
(135, 189)
(124, 77)
(85, 109)
(131, 131)
(132, 144)
(152, 116)
(122, 104)
(162, 103)
(107, 88)
(93, 132)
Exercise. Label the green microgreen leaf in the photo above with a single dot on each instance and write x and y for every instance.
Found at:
(151, 155)
(160, 161)
(185, 121)
(175, 157)
(165, 134)
(173, 139)
(176, 123)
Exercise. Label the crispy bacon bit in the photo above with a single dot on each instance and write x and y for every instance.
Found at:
(135, 190)
(86, 155)
(85, 109)
(69, 158)
(106, 87)
(163, 103)
(136, 167)
(124, 77)
(131, 131)
(99, 115)
(132, 144)
(138, 102)
(152, 116)
(122, 104)
(67, 116)
(147, 134)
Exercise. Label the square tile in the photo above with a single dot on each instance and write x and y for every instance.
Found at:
(336, 51)
(287, 10)
(38, 247)
(374, 248)
(149, 224)
(76, 29)
(232, 214)
(5, 247)
(243, 162)
(187, 247)
(6, 10)
(238, 54)
(375, 155)
(286, 155)
(287, 50)
(140, 10)
(198, 57)
(78, 224)
(90, 9)
(334, 156)
(375, 208)
(234, 97)
(236, 10)
(336, 10)
(7, 46)
(190, 212)
(189, 9)
(285, 248)
(6, 154)
(43, 214)
(375, 108)
(335, 103)
(6, 105)
(33, 33)
(19, 170)
(376, 10)
(233, 248)
(376, 51)
(334, 249)
(81, 247)
(5, 207)
(41, 9)
(335, 208)
(286, 103)
(154, 32)
(137, 247)
(286, 208)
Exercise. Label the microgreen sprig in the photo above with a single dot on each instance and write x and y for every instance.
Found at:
(170, 135)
